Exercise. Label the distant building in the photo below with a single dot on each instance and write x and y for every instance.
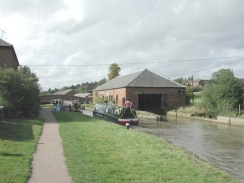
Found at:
(8, 57)
(146, 90)
(66, 95)
(196, 82)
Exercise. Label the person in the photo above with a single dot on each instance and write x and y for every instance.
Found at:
(127, 105)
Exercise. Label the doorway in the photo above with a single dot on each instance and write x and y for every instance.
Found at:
(149, 102)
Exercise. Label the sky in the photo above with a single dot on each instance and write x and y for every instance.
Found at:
(70, 42)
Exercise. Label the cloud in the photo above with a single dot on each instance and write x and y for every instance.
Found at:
(71, 41)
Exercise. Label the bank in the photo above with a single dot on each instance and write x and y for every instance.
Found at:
(220, 119)
(152, 116)
(100, 151)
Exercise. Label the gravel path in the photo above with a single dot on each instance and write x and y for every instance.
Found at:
(48, 165)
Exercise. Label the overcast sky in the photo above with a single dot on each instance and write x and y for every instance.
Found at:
(69, 42)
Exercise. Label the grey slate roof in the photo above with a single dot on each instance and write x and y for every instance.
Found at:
(82, 95)
(143, 78)
(62, 92)
(4, 43)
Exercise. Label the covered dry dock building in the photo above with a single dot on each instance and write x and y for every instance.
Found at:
(147, 91)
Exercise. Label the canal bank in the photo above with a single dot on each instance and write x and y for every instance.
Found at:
(107, 152)
(217, 144)
(143, 115)
(220, 119)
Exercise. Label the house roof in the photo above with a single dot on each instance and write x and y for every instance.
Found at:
(143, 78)
(5, 44)
(82, 95)
(65, 92)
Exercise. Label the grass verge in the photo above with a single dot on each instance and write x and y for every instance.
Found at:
(17, 145)
(100, 151)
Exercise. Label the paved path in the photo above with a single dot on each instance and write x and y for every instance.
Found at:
(48, 164)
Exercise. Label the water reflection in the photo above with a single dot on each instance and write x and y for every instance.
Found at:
(219, 144)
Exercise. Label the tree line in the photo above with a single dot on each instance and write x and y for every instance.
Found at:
(87, 87)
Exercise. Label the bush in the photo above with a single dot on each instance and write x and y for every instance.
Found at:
(18, 92)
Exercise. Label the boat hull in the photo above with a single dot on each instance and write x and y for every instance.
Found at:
(131, 121)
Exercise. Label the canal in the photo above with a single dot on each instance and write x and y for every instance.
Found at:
(218, 144)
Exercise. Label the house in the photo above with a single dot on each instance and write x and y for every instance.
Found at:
(146, 90)
(69, 94)
(196, 82)
(8, 57)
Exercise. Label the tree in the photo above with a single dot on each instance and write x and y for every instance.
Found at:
(19, 91)
(223, 93)
(114, 70)
(180, 80)
(102, 81)
(27, 73)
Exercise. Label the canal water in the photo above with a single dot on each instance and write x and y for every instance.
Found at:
(218, 144)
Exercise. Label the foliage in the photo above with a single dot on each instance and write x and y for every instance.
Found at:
(102, 81)
(180, 81)
(19, 91)
(114, 70)
(107, 152)
(26, 72)
(223, 93)
(18, 138)
(194, 110)
(189, 94)
(81, 88)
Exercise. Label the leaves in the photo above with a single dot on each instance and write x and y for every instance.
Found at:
(19, 91)
(114, 70)
(223, 93)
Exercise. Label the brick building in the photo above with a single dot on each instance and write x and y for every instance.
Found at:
(8, 57)
(146, 90)
(195, 83)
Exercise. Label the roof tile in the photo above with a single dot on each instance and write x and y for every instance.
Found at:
(143, 78)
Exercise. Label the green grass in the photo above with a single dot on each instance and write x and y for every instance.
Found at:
(18, 139)
(100, 151)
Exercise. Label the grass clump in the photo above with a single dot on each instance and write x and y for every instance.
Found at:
(17, 145)
(100, 151)
(196, 110)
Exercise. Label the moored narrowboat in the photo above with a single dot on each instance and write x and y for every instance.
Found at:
(116, 114)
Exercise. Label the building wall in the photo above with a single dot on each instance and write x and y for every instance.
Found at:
(8, 58)
(117, 95)
(172, 97)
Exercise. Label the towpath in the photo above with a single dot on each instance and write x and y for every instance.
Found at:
(48, 165)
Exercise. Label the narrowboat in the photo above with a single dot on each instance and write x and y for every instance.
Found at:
(116, 114)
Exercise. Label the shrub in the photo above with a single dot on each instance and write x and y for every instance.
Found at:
(19, 92)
